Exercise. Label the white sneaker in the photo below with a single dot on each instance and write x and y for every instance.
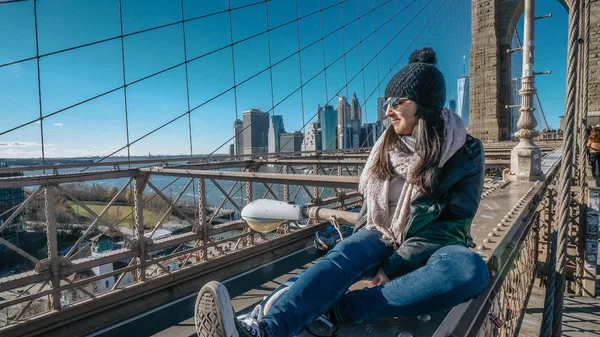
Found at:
(214, 315)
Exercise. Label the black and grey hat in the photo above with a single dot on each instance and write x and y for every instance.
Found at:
(420, 81)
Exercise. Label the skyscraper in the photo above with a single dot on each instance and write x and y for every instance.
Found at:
(452, 105)
(355, 122)
(354, 133)
(256, 131)
(380, 112)
(462, 108)
(355, 109)
(276, 128)
(238, 137)
(312, 138)
(329, 124)
(382, 122)
(368, 134)
(291, 142)
(343, 119)
(9, 198)
(319, 108)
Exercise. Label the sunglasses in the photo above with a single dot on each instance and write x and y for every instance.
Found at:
(395, 102)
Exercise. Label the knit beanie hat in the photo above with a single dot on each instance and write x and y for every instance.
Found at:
(420, 81)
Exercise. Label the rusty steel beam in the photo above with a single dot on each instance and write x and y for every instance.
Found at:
(215, 165)
(321, 181)
(324, 162)
(24, 181)
(131, 301)
(215, 162)
(491, 163)
(24, 279)
(212, 163)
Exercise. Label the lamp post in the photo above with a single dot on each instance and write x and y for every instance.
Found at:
(525, 158)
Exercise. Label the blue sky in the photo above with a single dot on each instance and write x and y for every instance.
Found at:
(106, 124)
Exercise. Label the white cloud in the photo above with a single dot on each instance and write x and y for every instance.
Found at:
(20, 149)
(18, 144)
(58, 124)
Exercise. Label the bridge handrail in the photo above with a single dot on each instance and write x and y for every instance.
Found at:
(517, 237)
(204, 234)
(506, 239)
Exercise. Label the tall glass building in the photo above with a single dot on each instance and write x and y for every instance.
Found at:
(10, 197)
(329, 123)
(238, 136)
(462, 106)
(256, 131)
(276, 128)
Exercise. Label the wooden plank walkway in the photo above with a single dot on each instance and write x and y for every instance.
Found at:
(244, 302)
(581, 316)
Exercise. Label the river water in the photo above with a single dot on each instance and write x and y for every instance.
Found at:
(172, 186)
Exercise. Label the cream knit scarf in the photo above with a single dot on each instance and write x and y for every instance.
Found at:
(375, 191)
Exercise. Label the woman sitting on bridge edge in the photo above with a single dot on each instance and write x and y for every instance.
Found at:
(422, 184)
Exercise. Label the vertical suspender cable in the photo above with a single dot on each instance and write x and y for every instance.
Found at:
(564, 191)
(39, 87)
(122, 38)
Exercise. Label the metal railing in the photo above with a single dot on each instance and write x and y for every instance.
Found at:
(509, 242)
(59, 288)
(63, 284)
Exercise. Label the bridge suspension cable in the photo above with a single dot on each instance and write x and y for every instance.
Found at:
(552, 324)
(378, 41)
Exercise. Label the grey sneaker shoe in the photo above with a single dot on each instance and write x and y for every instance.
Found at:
(215, 317)
(214, 314)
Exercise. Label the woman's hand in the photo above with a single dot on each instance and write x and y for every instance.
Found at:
(380, 278)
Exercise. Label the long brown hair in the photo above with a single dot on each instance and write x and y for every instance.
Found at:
(429, 139)
(594, 136)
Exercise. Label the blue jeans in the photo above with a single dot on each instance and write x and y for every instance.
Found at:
(452, 275)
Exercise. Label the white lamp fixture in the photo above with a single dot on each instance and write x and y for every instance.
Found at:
(265, 215)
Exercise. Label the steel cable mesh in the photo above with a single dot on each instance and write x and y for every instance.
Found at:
(511, 300)
(565, 182)
(126, 84)
(384, 33)
(582, 144)
(34, 301)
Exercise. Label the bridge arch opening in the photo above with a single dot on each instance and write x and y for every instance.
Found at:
(494, 71)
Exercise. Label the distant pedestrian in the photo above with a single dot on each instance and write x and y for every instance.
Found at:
(593, 146)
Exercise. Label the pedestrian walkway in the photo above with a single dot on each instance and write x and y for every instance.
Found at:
(245, 302)
(581, 315)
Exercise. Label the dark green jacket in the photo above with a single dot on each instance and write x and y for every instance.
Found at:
(443, 217)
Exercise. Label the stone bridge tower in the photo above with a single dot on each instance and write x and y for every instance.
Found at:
(493, 24)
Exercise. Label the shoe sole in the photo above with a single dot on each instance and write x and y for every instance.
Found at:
(214, 315)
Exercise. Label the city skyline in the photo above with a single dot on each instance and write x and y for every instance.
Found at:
(332, 133)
